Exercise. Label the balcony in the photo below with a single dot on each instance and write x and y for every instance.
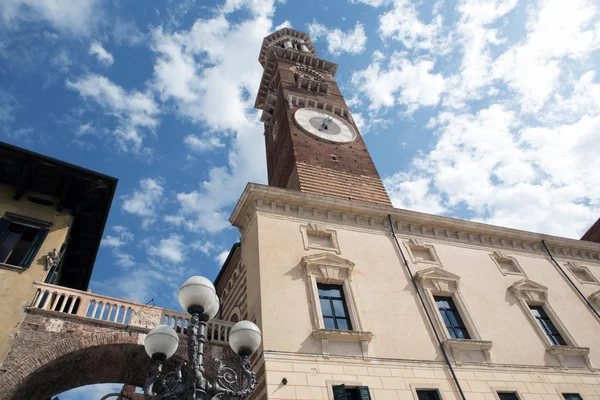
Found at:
(69, 303)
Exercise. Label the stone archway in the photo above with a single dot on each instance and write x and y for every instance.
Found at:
(76, 354)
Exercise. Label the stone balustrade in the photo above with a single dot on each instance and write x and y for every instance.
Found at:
(77, 304)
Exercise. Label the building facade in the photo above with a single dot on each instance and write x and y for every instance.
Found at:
(52, 215)
(357, 299)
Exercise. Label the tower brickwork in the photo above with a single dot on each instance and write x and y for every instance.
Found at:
(312, 142)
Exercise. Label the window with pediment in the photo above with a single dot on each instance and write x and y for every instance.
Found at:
(533, 299)
(451, 316)
(327, 273)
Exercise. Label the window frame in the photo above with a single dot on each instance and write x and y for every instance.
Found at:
(455, 315)
(7, 221)
(505, 389)
(436, 281)
(418, 387)
(329, 268)
(571, 394)
(530, 293)
(330, 299)
(543, 320)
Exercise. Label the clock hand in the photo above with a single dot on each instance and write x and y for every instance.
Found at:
(325, 124)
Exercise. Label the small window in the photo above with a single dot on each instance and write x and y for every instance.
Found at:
(572, 396)
(19, 243)
(548, 327)
(333, 307)
(343, 392)
(428, 395)
(451, 317)
(508, 396)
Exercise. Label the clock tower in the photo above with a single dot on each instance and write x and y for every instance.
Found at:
(313, 144)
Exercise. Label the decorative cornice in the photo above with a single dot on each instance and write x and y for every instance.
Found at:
(369, 216)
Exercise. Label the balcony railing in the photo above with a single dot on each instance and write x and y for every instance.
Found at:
(71, 303)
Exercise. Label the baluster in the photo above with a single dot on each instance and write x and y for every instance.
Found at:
(95, 308)
(55, 302)
(38, 301)
(73, 301)
(64, 303)
(102, 317)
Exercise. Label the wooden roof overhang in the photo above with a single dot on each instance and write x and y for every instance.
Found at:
(86, 194)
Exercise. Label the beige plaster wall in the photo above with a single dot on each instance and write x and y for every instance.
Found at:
(16, 287)
(388, 305)
(313, 378)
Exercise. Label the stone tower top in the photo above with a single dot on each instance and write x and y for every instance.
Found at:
(312, 142)
(286, 38)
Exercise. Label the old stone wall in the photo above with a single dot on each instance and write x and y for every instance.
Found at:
(50, 355)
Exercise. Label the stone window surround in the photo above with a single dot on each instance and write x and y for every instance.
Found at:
(350, 384)
(499, 256)
(319, 230)
(530, 293)
(419, 244)
(436, 281)
(425, 386)
(331, 269)
(505, 389)
(574, 267)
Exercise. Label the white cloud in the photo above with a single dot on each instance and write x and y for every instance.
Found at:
(402, 23)
(205, 247)
(372, 3)
(507, 174)
(556, 32)
(413, 193)
(171, 249)
(210, 74)
(134, 111)
(66, 15)
(475, 38)
(338, 41)
(112, 241)
(404, 82)
(145, 201)
(284, 24)
(195, 143)
(220, 259)
(103, 56)
(261, 8)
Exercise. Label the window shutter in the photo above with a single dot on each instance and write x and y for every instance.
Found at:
(4, 227)
(363, 391)
(33, 250)
(339, 392)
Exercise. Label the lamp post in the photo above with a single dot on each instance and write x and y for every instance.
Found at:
(198, 297)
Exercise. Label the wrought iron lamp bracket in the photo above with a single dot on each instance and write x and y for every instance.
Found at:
(171, 386)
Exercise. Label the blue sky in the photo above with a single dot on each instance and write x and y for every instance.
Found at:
(483, 110)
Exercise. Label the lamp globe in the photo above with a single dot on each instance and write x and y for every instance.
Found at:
(244, 338)
(198, 295)
(161, 342)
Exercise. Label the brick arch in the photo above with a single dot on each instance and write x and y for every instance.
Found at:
(78, 360)
(80, 354)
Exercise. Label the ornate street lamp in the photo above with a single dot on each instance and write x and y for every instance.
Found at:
(198, 296)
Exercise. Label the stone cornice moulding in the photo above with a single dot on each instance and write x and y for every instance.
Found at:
(531, 292)
(333, 210)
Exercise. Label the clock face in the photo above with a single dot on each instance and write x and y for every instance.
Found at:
(325, 125)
